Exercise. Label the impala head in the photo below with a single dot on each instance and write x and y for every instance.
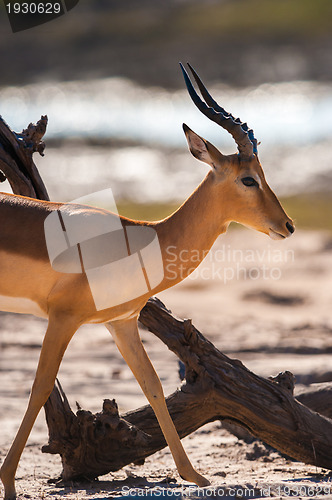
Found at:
(238, 177)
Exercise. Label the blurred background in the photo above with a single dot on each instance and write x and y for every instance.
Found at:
(107, 76)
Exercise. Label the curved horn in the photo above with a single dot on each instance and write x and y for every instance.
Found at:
(243, 136)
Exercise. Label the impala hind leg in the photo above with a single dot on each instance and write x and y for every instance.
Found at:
(60, 330)
(127, 339)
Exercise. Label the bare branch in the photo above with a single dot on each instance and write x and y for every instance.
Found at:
(216, 387)
(16, 163)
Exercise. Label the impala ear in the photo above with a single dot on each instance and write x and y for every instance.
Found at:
(202, 149)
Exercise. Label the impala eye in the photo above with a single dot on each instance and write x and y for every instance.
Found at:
(249, 181)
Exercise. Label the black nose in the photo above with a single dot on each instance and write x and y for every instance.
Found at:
(290, 228)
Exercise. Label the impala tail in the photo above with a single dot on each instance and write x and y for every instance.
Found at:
(240, 179)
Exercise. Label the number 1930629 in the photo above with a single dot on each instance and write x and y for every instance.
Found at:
(33, 8)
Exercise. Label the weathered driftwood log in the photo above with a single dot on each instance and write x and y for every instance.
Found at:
(16, 163)
(215, 386)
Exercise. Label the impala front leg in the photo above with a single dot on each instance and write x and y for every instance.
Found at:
(60, 330)
(127, 339)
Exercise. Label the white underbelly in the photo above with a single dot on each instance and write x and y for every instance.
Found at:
(126, 315)
(21, 305)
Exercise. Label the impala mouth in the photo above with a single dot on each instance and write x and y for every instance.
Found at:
(276, 236)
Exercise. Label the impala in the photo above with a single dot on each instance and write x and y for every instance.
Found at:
(47, 269)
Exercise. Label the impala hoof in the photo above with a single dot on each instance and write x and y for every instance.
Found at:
(201, 481)
(10, 496)
(196, 478)
(10, 492)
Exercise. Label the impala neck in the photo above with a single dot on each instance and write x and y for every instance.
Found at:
(187, 235)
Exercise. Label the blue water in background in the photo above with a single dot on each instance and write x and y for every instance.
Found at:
(293, 122)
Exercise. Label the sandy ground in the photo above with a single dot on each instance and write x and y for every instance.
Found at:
(266, 303)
